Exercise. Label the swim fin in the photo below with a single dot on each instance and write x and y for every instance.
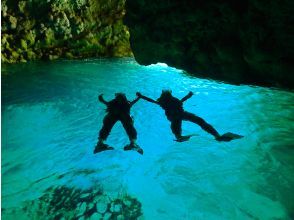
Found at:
(102, 147)
(134, 147)
(183, 138)
(229, 136)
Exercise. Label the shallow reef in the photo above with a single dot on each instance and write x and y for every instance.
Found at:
(55, 29)
(69, 203)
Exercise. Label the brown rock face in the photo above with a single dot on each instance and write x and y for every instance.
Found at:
(240, 42)
(52, 29)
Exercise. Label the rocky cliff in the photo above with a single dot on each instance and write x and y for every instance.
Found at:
(50, 29)
(248, 41)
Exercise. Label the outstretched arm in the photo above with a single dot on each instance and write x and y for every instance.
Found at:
(146, 98)
(190, 94)
(101, 99)
(134, 101)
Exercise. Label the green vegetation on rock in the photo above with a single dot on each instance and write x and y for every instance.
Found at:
(55, 29)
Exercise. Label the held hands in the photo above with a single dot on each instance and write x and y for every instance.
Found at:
(189, 95)
(100, 97)
(139, 94)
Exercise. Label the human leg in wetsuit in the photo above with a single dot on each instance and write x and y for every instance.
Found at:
(176, 124)
(176, 127)
(128, 125)
(127, 122)
(108, 123)
(187, 116)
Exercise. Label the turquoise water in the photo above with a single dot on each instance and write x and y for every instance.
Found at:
(50, 122)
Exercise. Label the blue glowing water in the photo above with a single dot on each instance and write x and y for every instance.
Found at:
(51, 117)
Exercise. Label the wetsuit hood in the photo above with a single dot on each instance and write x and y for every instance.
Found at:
(121, 98)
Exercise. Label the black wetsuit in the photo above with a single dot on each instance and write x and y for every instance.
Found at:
(175, 113)
(118, 111)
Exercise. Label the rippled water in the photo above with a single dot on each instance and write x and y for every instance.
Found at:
(50, 121)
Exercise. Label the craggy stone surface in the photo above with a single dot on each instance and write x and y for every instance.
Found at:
(50, 29)
(248, 41)
(70, 203)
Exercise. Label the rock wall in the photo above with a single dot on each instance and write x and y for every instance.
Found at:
(248, 41)
(50, 29)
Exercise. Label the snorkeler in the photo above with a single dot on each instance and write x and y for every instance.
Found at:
(118, 109)
(175, 113)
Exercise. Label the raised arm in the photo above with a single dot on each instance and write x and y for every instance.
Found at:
(146, 98)
(134, 101)
(190, 94)
(101, 99)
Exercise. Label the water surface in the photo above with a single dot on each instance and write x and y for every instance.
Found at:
(50, 122)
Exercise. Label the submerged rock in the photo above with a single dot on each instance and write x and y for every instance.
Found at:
(116, 208)
(83, 28)
(96, 216)
(107, 216)
(82, 208)
(102, 205)
(70, 203)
